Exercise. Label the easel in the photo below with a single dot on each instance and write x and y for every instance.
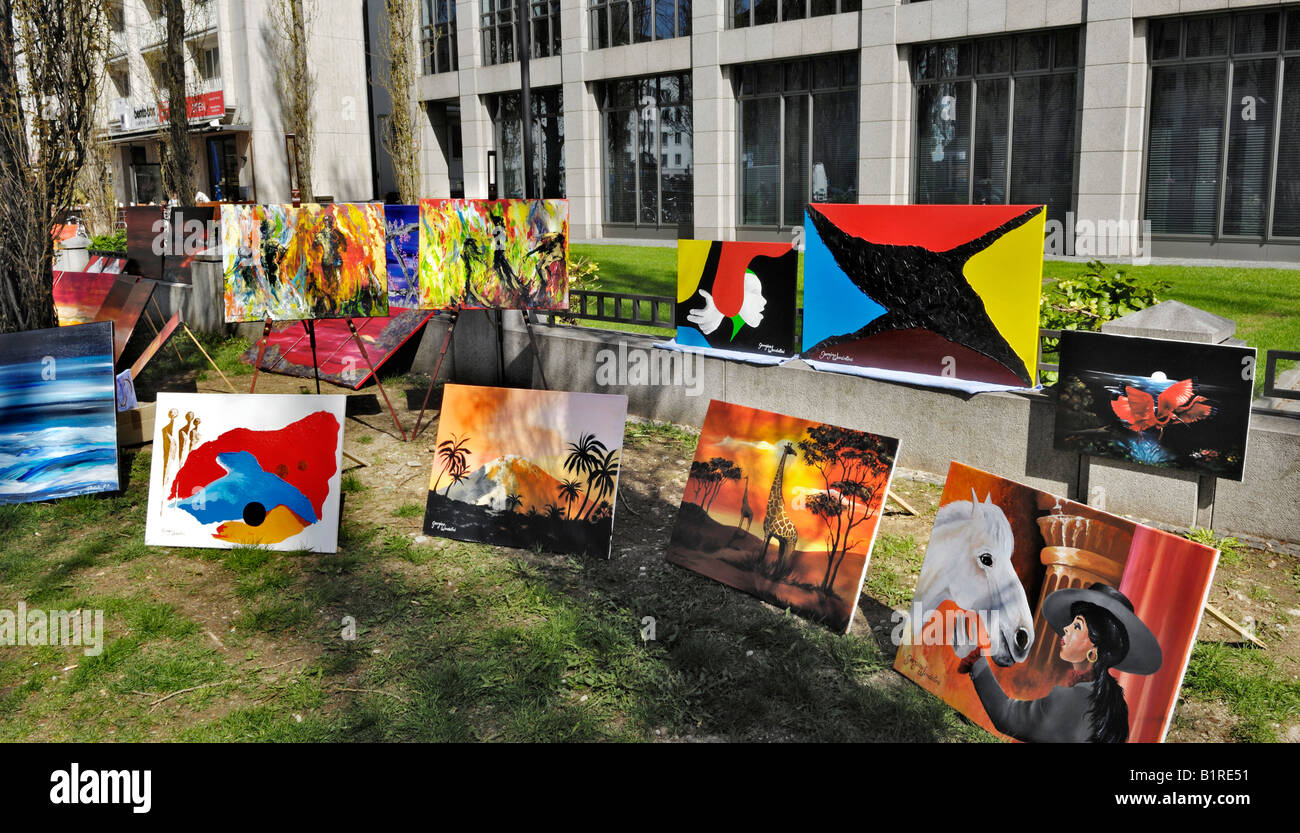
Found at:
(310, 327)
(499, 326)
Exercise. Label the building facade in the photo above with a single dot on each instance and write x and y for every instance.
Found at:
(1147, 127)
(237, 136)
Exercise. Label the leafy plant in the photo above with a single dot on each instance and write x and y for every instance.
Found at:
(115, 242)
(1096, 295)
(1229, 548)
(582, 276)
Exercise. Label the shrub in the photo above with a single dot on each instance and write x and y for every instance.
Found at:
(115, 242)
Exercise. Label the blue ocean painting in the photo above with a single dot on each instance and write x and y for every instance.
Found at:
(58, 420)
(403, 248)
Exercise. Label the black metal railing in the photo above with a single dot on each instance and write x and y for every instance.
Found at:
(619, 308)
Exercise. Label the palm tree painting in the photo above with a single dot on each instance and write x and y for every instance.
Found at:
(541, 470)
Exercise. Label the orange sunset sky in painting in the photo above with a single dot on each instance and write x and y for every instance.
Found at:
(753, 439)
(536, 424)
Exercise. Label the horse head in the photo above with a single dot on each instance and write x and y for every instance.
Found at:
(969, 562)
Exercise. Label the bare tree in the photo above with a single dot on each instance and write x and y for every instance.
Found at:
(95, 185)
(51, 71)
(290, 33)
(178, 161)
(402, 136)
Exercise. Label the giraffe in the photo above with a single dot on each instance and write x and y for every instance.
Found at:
(746, 513)
(777, 524)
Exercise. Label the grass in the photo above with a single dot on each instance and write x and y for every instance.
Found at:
(453, 641)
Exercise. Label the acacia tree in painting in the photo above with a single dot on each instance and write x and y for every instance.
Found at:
(710, 477)
(853, 466)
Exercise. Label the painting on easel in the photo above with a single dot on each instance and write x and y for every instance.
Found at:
(494, 254)
(314, 261)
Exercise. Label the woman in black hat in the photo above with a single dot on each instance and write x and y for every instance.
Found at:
(1099, 632)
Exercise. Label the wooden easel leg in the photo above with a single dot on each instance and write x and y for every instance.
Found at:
(362, 347)
(896, 499)
(154, 300)
(537, 352)
(214, 364)
(261, 353)
(310, 326)
(356, 459)
(437, 367)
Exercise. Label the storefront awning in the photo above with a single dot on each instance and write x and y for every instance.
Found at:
(197, 129)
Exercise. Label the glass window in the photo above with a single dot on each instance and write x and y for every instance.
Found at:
(1286, 211)
(499, 44)
(438, 36)
(620, 22)
(799, 138)
(641, 187)
(757, 12)
(1185, 147)
(1003, 130)
(548, 142)
(1217, 123)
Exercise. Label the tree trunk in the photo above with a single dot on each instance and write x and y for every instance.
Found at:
(179, 162)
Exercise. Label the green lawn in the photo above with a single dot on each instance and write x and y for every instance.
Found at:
(1265, 303)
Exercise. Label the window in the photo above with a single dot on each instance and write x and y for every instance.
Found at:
(798, 137)
(438, 36)
(757, 12)
(1223, 146)
(548, 141)
(995, 120)
(121, 79)
(641, 188)
(620, 22)
(499, 45)
(116, 17)
(210, 63)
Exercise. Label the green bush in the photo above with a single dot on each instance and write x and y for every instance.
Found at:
(1095, 296)
(115, 242)
(582, 273)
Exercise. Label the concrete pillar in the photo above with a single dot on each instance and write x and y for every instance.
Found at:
(435, 148)
(884, 109)
(1110, 143)
(475, 123)
(713, 109)
(582, 151)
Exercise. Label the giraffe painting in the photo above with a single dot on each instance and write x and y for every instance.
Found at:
(823, 542)
(776, 523)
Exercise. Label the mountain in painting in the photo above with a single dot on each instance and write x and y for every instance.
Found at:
(507, 475)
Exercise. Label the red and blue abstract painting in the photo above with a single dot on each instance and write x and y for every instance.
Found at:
(249, 469)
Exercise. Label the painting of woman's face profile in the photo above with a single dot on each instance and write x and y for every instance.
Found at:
(1085, 620)
(736, 296)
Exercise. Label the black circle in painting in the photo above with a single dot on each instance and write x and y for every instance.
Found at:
(254, 513)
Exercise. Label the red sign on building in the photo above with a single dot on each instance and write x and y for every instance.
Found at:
(203, 106)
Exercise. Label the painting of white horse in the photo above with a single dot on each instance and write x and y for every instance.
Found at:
(968, 562)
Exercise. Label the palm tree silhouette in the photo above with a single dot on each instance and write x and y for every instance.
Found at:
(513, 502)
(568, 492)
(455, 457)
(584, 458)
(604, 478)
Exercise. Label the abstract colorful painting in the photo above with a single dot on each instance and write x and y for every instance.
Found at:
(1171, 404)
(163, 241)
(938, 291)
(527, 468)
(1042, 619)
(313, 261)
(288, 349)
(736, 295)
(58, 420)
(785, 509)
(498, 254)
(402, 229)
(79, 295)
(246, 469)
